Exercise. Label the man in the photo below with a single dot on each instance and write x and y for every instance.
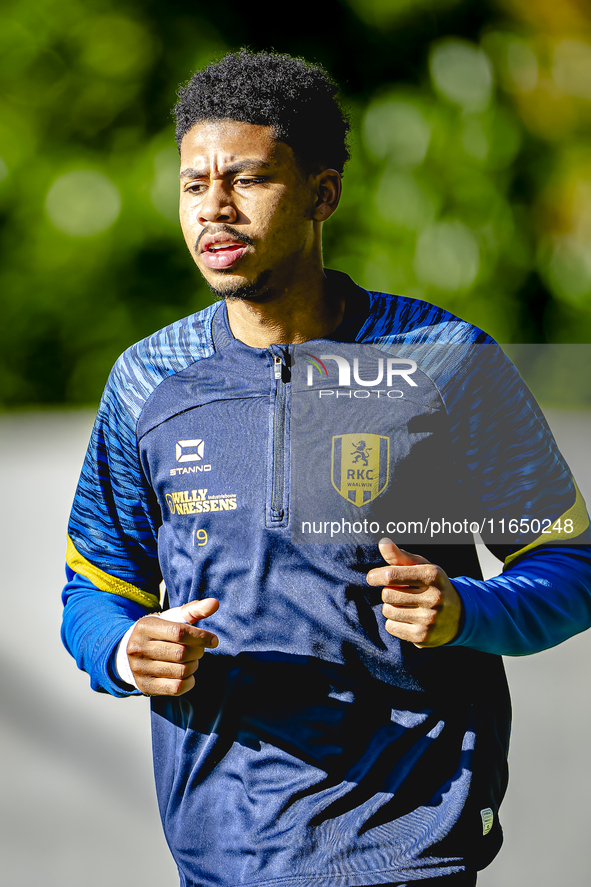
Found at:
(318, 717)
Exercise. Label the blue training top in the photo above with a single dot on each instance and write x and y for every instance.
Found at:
(315, 748)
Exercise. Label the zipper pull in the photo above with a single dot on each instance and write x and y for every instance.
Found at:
(277, 366)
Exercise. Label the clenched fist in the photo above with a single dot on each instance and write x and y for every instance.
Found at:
(420, 603)
(164, 655)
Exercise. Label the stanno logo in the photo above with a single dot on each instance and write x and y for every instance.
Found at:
(360, 466)
(394, 366)
(189, 450)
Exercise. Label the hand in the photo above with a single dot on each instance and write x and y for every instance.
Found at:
(420, 603)
(164, 655)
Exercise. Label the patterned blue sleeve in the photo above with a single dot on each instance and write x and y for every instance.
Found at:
(112, 534)
(515, 471)
(508, 464)
(113, 529)
(112, 548)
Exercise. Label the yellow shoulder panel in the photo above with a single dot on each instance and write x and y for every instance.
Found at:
(577, 513)
(105, 582)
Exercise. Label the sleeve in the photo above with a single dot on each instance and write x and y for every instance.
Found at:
(112, 558)
(94, 623)
(537, 603)
(531, 515)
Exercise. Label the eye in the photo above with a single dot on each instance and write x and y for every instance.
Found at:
(194, 188)
(251, 180)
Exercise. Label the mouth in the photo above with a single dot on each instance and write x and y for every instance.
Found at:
(222, 255)
(220, 251)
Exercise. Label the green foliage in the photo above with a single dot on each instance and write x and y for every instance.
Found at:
(470, 183)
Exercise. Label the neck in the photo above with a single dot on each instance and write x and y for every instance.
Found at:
(287, 315)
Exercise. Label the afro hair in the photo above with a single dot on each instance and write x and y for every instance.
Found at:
(298, 99)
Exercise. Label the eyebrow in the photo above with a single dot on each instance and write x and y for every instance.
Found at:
(239, 166)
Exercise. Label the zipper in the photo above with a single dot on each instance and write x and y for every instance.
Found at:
(280, 372)
(277, 366)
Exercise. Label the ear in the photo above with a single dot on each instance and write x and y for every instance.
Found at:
(328, 187)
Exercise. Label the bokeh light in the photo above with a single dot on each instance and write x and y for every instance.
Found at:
(447, 256)
(571, 68)
(462, 73)
(83, 203)
(398, 130)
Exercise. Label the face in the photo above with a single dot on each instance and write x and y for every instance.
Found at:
(246, 210)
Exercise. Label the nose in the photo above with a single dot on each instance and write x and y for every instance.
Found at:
(217, 205)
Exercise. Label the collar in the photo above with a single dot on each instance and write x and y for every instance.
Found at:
(356, 311)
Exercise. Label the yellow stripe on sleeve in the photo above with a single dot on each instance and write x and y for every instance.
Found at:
(577, 513)
(105, 582)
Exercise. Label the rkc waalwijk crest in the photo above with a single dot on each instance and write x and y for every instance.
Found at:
(360, 466)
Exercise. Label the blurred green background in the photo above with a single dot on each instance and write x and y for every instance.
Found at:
(470, 183)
